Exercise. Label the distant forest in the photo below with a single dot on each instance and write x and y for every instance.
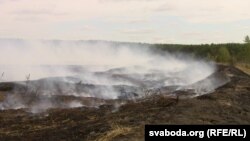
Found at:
(227, 53)
(230, 53)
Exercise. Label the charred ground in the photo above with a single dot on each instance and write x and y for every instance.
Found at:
(228, 104)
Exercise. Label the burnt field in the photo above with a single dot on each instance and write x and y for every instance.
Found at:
(102, 91)
(32, 110)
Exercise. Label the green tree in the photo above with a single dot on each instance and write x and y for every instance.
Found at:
(223, 55)
(247, 39)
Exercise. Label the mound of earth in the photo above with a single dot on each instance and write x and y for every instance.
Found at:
(124, 118)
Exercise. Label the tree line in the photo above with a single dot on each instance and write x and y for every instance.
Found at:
(223, 53)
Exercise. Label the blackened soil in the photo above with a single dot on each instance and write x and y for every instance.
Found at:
(228, 104)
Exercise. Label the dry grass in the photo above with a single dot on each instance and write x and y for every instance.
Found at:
(244, 67)
(116, 130)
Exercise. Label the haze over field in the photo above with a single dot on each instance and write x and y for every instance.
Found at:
(46, 59)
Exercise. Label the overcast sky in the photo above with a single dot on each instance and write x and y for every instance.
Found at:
(152, 21)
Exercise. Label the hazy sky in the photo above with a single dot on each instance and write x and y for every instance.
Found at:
(161, 21)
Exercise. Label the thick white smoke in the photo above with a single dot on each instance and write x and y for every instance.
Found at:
(41, 59)
(95, 63)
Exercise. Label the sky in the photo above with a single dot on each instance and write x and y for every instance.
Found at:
(147, 21)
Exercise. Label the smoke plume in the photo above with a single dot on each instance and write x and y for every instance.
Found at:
(101, 70)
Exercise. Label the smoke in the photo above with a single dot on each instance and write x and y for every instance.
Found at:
(99, 70)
